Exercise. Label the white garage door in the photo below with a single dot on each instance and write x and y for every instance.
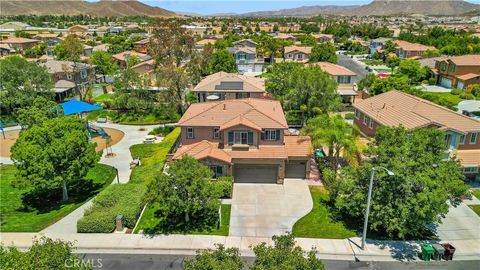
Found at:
(255, 173)
(296, 169)
(447, 83)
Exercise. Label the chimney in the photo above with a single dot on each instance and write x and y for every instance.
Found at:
(224, 106)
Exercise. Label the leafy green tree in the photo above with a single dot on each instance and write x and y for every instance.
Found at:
(54, 153)
(313, 88)
(382, 85)
(392, 62)
(280, 80)
(275, 28)
(323, 52)
(307, 40)
(220, 258)
(104, 63)
(222, 60)
(416, 196)
(44, 254)
(22, 34)
(70, 49)
(186, 191)
(37, 51)
(284, 255)
(337, 135)
(20, 82)
(40, 111)
(390, 46)
(412, 70)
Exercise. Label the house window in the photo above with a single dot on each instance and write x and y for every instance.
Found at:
(240, 137)
(451, 68)
(216, 133)
(83, 74)
(470, 170)
(344, 79)
(299, 56)
(69, 77)
(242, 56)
(190, 133)
(357, 114)
(370, 124)
(462, 139)
(217, 171)
(271, 135)
(289, 55)
(365, 119)
(473, 138)
(243, 95)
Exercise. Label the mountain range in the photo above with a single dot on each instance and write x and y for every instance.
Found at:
(137, 8)
(75, 7)
(380, 8)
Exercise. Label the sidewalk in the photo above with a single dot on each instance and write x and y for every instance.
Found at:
(121, 161)
(333, 249)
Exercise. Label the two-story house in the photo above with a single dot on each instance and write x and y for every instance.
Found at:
(377, 44)
(244, 138)
(246, 59)
(407, 49)
(297, 53)
(395, 108)
(69, 77)
(18, 44)
(51, 39)
(141, 45)
(458, 71)
(322, 38)
(344, 78)
(222, 85)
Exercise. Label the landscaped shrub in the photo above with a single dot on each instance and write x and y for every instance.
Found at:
(349, 116)
(225, 186)
(162, 131)
(464, 95)
(456, 91)
(124, 199)
(432, 81)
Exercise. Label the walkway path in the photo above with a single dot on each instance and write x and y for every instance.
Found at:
(121, 161)
(264, 210)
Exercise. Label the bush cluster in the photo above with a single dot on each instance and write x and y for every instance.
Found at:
(224, 184)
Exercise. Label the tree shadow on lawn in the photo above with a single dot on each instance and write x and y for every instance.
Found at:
(201, 222)
(47, 200)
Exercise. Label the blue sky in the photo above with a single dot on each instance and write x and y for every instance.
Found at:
(223, 6)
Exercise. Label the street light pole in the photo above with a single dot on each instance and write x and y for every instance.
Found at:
(369, 198)
(118, 177)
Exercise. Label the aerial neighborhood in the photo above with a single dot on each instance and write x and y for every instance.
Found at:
(310, 137)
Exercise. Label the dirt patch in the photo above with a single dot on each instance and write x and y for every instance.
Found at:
(11, 136)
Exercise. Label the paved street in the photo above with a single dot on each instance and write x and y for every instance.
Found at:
(264, 210)
(346, 61)
(174, 262)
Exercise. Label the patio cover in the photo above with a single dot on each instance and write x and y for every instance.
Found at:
(75, 106)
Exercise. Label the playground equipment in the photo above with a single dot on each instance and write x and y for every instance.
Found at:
(99, 130)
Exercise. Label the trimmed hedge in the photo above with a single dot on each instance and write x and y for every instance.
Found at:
(127, 199)
(224, 185)
(124, 199)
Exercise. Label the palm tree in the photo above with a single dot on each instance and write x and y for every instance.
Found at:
(337, 135)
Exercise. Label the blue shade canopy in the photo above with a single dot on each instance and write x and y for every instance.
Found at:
(75, 106)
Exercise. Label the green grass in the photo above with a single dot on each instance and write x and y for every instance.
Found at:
(372, 62)
(476, 193)
(149, 221)
(130, 118)
(103, 97)
(319, 223)
(475, 208)
(15, 217)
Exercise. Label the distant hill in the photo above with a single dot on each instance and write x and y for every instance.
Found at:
(380, 7)
(75, 7)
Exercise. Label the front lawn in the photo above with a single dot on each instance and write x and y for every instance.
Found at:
(150, 223)
(475, 208)
(17, 216)
(103, 97)
(319, 222)
(126, 118)
(449, 97)
(476, 193)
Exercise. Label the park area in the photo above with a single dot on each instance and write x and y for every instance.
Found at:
(22, 211)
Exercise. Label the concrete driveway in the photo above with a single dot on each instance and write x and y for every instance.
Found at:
(264, 210)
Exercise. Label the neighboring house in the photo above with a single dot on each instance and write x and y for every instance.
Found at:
(246, 59)
(69, 77)
(87, 50)
(297, 53)
(202, 43)
(245, 43)
(122, 57)
(101, 48)
(51, 39)
(19, 45)
(344, 77)
(146, 70)
(78, 30)
(222, 85)
(321, 38)
(406, 49)
(141, 45)
(457, 71)
(244, 138)
(377, 44)
(395, 108)
(284, 36)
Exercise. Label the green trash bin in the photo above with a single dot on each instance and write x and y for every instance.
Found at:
(427, 252)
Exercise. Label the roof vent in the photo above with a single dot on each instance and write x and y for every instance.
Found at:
(224, 106)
